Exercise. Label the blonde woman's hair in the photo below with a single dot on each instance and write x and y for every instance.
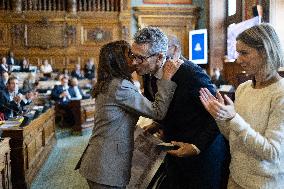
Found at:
(264, 39)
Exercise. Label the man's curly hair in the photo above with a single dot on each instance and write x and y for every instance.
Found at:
(155, 37)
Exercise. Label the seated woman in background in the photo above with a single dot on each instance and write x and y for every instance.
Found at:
(106, 163)
(25, 65)
(254, 124)
(46, 69)
(30, 84)
(3, 65)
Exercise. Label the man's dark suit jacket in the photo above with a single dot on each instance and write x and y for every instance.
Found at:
(2, 85)
(55, 95)
(9, 61)
(73, 94)
(6, 106)
(90, 73)
(3, 69)
(75, 74)
(188, 121)
(150, 95)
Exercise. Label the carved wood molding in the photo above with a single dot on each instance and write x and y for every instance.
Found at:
(62, 37)
(44, 36)
(94, 35)
(99, 35)
(3, 35)
(17, 33)
(169, 16)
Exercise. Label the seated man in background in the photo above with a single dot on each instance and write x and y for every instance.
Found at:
(77, 72)
(90, 69)
(11, 101)
(60, 93)
(75, 91)
(3, 80)
(11, 61)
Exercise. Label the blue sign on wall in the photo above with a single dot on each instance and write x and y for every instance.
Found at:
(198, 46)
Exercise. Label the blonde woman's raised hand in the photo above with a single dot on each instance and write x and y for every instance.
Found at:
(216, 106)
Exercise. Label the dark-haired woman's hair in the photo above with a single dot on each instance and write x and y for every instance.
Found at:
(112, 64)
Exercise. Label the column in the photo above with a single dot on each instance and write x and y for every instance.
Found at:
(17, 5)
(72, 6)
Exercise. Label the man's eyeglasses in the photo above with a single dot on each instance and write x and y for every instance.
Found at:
(139, 58)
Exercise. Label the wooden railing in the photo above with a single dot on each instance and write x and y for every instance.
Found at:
(98, 5)
(45, 5)
(61, 5)
(5, 5)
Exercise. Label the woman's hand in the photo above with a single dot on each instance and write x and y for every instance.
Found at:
(170, 68)
(216, 106)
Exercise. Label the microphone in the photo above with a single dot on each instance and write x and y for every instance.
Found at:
(19, 112)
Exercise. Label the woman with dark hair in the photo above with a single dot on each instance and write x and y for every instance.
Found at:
(254, 124)
(106, 163)
(25, 65)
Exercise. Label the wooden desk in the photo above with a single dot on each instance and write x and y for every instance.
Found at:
(83, 112)
(30, 146)
(5, 168)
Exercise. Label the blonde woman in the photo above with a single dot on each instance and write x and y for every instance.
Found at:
(254, 124)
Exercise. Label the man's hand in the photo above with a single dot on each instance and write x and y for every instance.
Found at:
(30, 96)
(185, 150)
(18, 99)
(152, 128)
(63, 94)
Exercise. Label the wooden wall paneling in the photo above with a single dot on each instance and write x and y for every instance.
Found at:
(38, 140)
(37, 35)
(3, 34)
(59, 62)
(95, 35)
(71, 61)
(17, 34)
(45, 37)
(172, 20)
(265, 4)
(49, 131)
(5, 167)
(231, 70)
(62, 35)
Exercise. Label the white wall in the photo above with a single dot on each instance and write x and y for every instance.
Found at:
(276, 17)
